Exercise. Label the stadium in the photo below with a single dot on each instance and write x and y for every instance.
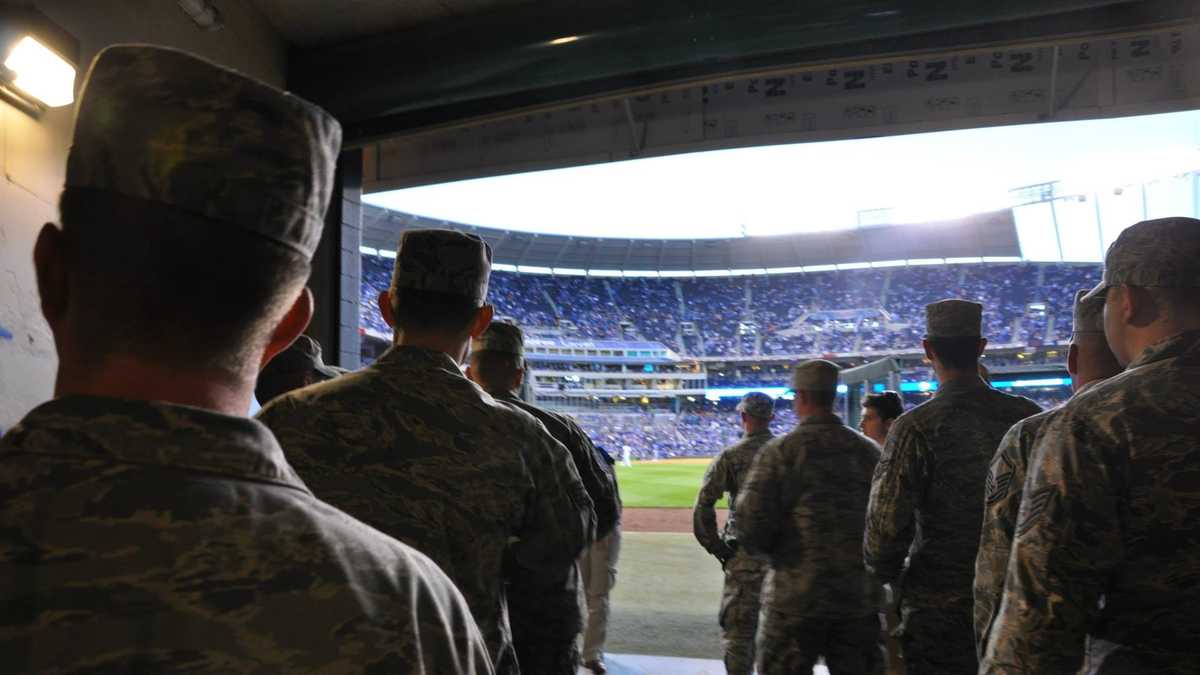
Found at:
(682, 200)
(654, 358)
(650, 343)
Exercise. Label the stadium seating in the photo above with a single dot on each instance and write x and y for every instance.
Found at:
(835, 312)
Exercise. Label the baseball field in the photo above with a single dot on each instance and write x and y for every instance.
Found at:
(668, 588)
(671, 483)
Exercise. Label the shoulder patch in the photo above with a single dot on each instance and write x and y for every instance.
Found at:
(1032, 511)
(999, 480)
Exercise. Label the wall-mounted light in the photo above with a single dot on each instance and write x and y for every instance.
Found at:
(38, 67)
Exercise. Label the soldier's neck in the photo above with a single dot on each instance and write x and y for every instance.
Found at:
(946, 375)
(127, 377)
(453, 345)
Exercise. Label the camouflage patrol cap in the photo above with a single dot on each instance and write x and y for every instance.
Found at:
(1163, 253)
(165, 126)
(1088, 314)
(443, 261)
(503, 338)
(815, 375)
(757, 404)
(953, 318)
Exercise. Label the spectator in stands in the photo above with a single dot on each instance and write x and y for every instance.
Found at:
(878, 413)
(146, 524)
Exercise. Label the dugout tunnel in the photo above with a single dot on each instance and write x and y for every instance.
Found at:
(441, 90)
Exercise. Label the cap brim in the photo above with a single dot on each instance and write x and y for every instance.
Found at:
(329, 372)
(1097, 292)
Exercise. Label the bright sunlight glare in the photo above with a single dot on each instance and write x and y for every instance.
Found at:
(808, 187)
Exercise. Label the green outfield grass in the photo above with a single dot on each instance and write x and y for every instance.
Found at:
(669, 483)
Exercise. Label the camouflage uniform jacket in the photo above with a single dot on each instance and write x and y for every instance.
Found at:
(1002, 499)
(149, 537)
(551, 606)
(727, 473)
(1107, 541)
(583, 453)
(412, 447)
(803, 506)
(927, 492)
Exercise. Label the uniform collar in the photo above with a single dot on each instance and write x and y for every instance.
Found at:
(1174, 346)
(829, 418)
(153, 433)
(961, 384)
(400, 357)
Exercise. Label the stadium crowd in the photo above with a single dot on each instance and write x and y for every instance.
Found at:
(419, 516)
(835, 312)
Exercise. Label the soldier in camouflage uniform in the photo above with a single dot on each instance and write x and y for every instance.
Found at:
(927, 494)
(414, 448)
(743, 572)
(1104, 572)
(546, 610)
(146, 525)
(1089, 360)
(802, 506)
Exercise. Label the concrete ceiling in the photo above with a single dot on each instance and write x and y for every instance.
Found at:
(305, 23)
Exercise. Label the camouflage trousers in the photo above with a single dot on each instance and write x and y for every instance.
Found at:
(739, 611)
(790, 644)
(939, 640)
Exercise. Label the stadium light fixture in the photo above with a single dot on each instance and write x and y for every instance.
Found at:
(367, 250)
(820, 268)
(926, 261)
(564, 40)
(630, 274)
(38, 71)
(569, 272)
(712, 273)
(534, 269)
(963, 261)
(854, 266)
(497, 267)
(604, 273)
(888, 263)
(676, 274)
(387, 253)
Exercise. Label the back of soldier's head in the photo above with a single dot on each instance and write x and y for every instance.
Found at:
(439, 281)
(194, 199)
(498, 357)
(953, 332)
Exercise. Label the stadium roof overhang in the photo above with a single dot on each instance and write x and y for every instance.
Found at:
(387, 68)
(975, 238)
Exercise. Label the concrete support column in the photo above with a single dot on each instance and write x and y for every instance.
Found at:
(337, 268)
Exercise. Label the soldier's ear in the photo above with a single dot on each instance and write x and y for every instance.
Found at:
(53, 274)
(290, 326)
(385, 308)
(483, 319)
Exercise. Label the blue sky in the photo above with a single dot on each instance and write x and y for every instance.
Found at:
(815, 186)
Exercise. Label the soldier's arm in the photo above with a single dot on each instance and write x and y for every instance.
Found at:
(759, 502)
(1067, 542)
(559, 519)
(1002, 498)
(596, 482)
(898, 478)
(704, 513)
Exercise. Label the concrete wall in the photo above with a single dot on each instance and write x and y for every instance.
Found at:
(33, 156)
